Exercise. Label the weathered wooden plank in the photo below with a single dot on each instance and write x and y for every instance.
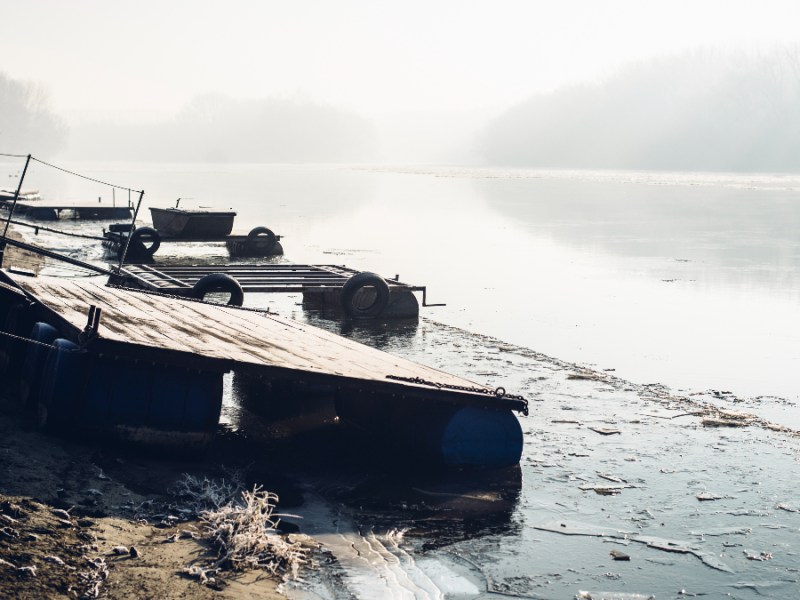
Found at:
(226, 333)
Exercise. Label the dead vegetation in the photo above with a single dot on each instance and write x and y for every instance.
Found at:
(242, 528)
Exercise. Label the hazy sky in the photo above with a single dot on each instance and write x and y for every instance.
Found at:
(145, 56)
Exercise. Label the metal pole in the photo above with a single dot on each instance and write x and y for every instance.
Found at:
(130, 233)
(16, 195)
(57, 256)
(11, 210)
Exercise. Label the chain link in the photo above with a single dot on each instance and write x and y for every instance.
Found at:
(499, 392)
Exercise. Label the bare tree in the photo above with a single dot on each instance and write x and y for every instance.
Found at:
(26, 122)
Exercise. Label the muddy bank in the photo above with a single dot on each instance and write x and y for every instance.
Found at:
(87, 520)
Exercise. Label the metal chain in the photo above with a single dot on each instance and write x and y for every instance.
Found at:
(499, 392)
(26, 340)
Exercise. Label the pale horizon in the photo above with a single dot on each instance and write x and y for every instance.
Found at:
(149, 59)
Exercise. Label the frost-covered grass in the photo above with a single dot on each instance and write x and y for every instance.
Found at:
(242, 526)
(246, 537)
(202, 494)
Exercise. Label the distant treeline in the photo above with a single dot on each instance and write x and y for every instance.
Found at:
(26, 124)
(216, 128)
(704, 110)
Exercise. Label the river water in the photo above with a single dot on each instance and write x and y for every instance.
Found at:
(671, 288)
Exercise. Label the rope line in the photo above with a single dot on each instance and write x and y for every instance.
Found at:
(63, 170)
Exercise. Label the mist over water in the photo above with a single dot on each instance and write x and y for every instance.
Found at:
(685, 279)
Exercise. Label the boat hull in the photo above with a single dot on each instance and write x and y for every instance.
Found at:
(174, 222)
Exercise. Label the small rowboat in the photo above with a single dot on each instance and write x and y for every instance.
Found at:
(182, 223)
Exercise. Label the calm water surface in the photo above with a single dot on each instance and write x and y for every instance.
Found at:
(687, 280)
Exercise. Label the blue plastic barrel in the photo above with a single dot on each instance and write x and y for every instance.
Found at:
(62, 381)
(35, 356)
(436, 434)
(481, 438)
(150, 396)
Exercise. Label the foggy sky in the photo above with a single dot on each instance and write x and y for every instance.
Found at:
(428, 74)
(152, 57)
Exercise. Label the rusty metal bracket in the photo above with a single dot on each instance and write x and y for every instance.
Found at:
(92, 325)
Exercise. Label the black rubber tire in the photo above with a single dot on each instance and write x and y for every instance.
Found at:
(141, 237)
(354, 285)
(219, 282)
(264, 237)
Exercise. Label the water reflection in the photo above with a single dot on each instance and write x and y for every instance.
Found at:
(384, 334)
(721, 227)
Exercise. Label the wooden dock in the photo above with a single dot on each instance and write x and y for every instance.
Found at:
(40, 211)
(172, 330)
(147, 367)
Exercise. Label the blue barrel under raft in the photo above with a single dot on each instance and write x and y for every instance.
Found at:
(36, 351)
(147, 403)
(436, 434)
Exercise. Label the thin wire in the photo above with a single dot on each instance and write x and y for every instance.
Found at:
(13, 155)
(63, 170)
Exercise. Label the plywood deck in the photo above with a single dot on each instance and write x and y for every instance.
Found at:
(237, 338)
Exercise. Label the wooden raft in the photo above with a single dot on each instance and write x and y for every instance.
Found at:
(151, 327)
(49, 212)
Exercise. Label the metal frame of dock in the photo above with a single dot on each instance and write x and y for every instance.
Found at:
(266, 278)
